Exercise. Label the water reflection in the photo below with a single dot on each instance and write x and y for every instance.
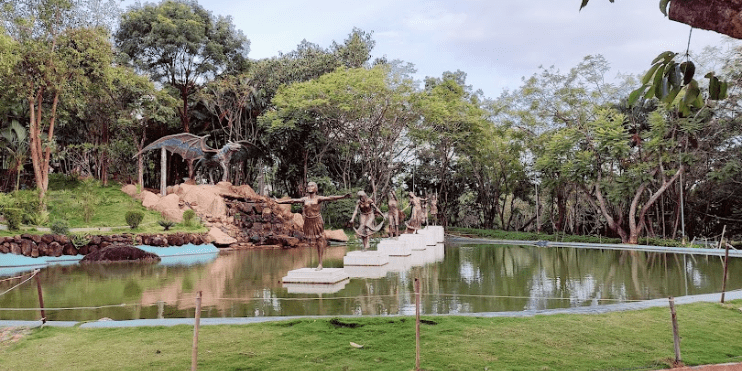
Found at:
(478, 278)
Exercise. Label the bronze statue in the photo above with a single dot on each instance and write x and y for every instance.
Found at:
(192, 147)
(434, 208)
(416, 216)
(393, 214)
(314, 226)
(368, 210)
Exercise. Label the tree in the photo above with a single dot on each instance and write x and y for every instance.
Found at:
(54, 61)
(360, 115)
(453, 126)
(182, 44)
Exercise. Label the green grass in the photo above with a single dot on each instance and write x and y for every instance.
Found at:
(635, 340)
(65, 201)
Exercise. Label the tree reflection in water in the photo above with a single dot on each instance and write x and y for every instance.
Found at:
(470, 279)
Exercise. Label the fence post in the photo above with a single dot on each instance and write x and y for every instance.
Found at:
(417, 324)
(194, 356)
(675, 335)
(41, 297)
(724, 280)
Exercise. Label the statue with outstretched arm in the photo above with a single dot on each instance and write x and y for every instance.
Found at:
(314, 226)
(393, 214)
(368, 211)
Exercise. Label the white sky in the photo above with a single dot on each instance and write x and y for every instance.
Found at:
(495, 42)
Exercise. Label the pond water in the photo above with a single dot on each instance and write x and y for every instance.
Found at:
(455, 279)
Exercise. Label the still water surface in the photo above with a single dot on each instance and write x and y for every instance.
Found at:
(455, 279)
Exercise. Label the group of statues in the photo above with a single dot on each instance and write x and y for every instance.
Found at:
(314, 225)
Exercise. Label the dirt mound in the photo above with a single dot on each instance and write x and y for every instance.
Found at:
(119, 253)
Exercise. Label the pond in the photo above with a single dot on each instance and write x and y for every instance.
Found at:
(455, 279)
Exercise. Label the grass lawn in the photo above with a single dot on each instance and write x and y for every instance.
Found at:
(634, 340)
(67, 200)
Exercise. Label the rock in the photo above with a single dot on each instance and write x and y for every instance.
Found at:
(26, 247)
(169, 208)
(205, 200)
(219, 238)
(175, 240)
(336, 235)
(47, 238)
(69, 249)
(149, 199)
(15, 248)
(56, 248)
(130, 189)
(119, 253)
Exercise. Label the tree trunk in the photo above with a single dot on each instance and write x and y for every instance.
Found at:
(722, 16)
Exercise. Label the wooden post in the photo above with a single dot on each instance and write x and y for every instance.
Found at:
(417, 324)
(41, 297)
(163, 172)
(675, 336)
(194, 356)
(721, 240)
(724, 279)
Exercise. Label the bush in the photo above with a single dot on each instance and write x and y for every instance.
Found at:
(79, 239)
(60, 227)
(188, 217)
(133, 218)
(88, 198)
(14, 216)
(166, 224)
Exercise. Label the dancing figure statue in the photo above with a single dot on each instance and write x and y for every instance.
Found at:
(434, 208)
(393, 215)
(416, 216)
(314, 226)
(368, 211)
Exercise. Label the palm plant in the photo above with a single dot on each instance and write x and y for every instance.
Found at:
(15, 137)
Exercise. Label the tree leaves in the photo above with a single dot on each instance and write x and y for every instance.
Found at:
(666, 79)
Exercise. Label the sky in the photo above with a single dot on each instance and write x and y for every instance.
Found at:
(495, 42)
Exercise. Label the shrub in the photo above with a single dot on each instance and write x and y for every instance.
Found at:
(79, 239)
(188, 217)
(133, 218)
(60, 227)
(166, 224)
(14, 216)
(88, 198)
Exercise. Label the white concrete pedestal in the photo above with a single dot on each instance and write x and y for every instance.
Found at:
(365, 258)
(315, 288)
(393, 247)
(311, 275)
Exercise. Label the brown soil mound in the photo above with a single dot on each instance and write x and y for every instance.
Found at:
(119, 253)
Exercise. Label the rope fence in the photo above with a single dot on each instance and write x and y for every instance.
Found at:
(411, 294)
(33, 274)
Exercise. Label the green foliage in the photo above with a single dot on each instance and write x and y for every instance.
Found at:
(188, 217)
(669, 79)
(166, 224)
(133, 218)
(14, 217)
(60, 227)
(79, 239)
(88, 198)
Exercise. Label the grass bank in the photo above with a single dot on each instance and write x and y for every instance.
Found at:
(637, 340)
(70, 200)
(559, 237)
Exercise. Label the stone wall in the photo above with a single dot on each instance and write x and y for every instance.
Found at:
(58, 245)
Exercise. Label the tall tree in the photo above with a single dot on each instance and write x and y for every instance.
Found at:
(453, 125)
(55, 60)
(182, 44)
(361, 114)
